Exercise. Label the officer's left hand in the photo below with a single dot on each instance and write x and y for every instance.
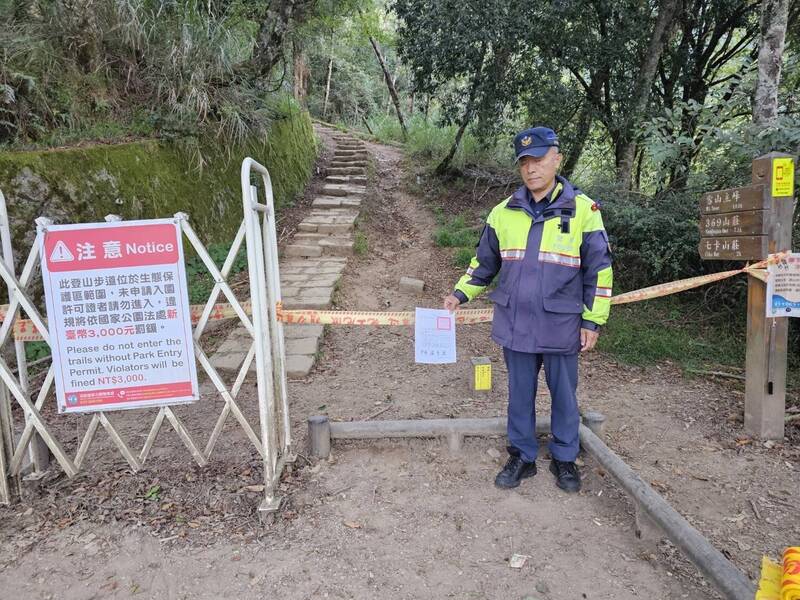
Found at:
(588, 339)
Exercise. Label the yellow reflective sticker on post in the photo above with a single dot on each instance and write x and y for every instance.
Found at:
(782, 177)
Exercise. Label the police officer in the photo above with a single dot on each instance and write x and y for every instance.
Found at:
(548, 244)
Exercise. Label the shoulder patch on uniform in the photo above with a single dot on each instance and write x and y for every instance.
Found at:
(595, 205)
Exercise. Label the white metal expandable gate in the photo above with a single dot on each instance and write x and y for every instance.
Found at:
(267, 349)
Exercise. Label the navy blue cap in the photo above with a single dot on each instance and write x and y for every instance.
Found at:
(535, 141)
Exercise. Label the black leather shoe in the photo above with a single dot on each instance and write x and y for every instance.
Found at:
(567, 476)
(515, 471)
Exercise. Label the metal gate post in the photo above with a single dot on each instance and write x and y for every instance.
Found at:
(37, 451)
(6, 444)
(270, 246)
(259, 298)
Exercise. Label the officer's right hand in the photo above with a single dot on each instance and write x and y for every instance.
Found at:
(451, 302)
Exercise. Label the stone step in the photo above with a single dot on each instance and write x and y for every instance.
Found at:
(292, 332)
(308, 346)
(333, 202)
(350, 154)
(339, 171)
(315, 292)
(291, 286)
(307, 237)
(307, 227)
(344, 162)
(307, 303)
(298, 366)
(302, 250)
(350, 158)
(329, 217)
(347, 179)
(337, 247)
(343, 189)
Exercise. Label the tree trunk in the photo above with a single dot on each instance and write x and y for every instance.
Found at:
(390, 84)
(443, 166)
(367, 124)
(389, 96)
(774, 17)
(576, 148)
(626, 149)
(328, 85)
(300, 72)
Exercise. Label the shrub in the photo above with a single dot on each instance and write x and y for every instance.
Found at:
(456, 233)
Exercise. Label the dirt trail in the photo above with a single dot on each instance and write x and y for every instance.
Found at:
(399, 519)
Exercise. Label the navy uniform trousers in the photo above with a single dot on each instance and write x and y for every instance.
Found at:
(561, 373)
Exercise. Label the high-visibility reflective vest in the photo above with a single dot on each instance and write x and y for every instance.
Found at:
(554, 271)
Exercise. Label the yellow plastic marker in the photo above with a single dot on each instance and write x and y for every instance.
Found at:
(780, 582)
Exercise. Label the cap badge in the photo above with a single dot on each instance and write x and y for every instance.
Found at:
(526, 141)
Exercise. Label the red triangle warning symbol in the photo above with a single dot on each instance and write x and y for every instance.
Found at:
(61, 253)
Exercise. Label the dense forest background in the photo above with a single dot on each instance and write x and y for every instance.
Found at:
(655, 103)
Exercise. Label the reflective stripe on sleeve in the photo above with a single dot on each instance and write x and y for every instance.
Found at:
(603, 292)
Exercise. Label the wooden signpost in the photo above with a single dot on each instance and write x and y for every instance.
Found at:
(750, 223)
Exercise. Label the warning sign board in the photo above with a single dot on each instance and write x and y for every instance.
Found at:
(118, 313)
(783, 285)
(782, 177)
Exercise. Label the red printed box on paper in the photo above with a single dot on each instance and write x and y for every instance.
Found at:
(118, 315)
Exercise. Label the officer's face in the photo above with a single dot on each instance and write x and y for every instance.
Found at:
(539, 173)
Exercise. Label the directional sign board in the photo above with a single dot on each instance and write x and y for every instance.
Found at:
(734, 223)
(118, 315)
(751, 222)
(751, 197)
(746, 247)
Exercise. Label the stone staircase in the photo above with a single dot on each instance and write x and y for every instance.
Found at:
(312, 264)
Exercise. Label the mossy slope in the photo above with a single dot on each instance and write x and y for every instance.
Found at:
(152, 179)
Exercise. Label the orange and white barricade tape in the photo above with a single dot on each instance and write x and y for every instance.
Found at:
(25, 330)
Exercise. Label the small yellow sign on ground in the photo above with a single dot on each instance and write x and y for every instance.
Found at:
(482, 374)
(782, 177)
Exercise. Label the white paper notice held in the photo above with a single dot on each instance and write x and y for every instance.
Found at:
(434, 336)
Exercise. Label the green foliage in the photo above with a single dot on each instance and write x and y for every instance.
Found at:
(649, 332)
(463, 256)
(360, 243)
(654, 240)
(153, 494)
(198, 278)
(338, 43)
(181, 68)
(36, 350)
(429, 142)
(456, 233)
